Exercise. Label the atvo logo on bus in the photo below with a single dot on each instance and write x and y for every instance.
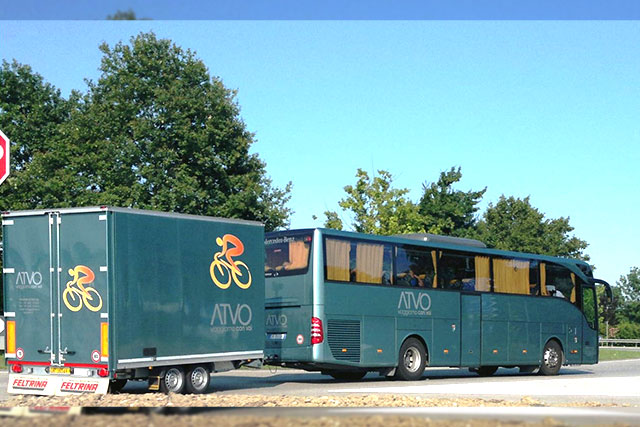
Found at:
(414, 304)
(224, 270)
(76, 294)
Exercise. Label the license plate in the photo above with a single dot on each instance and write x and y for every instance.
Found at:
(56, 370)
(277, 336)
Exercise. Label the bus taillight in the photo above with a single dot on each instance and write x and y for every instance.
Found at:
(317, 335)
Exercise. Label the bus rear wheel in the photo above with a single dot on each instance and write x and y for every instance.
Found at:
(347, 375)
(552, 358)
(412, 360)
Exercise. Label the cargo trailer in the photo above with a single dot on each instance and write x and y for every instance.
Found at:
(94, 297)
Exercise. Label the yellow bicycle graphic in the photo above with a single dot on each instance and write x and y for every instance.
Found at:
(225, 270)
(75, 296)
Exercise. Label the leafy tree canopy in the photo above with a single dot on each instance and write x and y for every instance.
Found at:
(446, 211)
(377, 207)
(513, 224)
(630, 285)
(156, 131)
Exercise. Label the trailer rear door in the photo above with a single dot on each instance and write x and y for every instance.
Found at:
(27, 268)
(82, 290)
(55, 273)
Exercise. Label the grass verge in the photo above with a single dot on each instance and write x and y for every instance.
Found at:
(616, 354)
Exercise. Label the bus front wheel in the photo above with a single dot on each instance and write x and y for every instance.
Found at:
(552, 358)
(412, 360)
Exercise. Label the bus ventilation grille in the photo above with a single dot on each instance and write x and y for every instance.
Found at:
(344, 335)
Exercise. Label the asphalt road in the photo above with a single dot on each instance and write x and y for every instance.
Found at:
(608, 382)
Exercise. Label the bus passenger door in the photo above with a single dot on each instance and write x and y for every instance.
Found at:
(470, 334)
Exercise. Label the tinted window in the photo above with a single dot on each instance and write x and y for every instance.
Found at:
(414, 267)
(514, 276)
(456, 271)
(589, 306)
(286, 255)
(357, 261)
(560, 282)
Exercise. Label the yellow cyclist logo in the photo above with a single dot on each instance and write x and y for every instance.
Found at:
(76, 293)
(224, 270)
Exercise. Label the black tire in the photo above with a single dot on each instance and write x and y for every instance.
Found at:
(115, 386)
(197, 380)
(347, 375)
(173, 380)
(486, 371)
(411, 360)
(552, 358)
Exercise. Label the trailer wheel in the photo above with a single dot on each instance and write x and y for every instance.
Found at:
(411, 361)
(197, 380)
(173, 380)
(552, 358)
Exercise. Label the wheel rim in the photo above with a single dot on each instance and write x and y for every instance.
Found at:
(551, 357)
(173, 379)
(199, 378)
(412, 359)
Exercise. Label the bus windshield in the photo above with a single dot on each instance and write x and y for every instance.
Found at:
(286, 255)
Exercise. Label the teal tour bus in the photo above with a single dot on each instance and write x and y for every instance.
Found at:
(345, 304)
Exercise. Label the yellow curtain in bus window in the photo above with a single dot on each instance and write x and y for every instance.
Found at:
(483, 274)
(369, 263)
(337, 253)
(298, 255)
(543, 280)
(511, 276)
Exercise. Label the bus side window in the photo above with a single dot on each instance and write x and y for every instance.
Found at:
(414, 267)
(483, 274)
(336, 258)
(560, 282)
(511, 276)
(457, 271)
(372, 263)
(534, 278)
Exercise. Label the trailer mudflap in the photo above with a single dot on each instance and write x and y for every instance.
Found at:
(50, 385)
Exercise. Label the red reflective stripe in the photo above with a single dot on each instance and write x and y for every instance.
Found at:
(85, 365)
(20, 362)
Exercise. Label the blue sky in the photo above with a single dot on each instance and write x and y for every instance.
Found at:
(526, 108)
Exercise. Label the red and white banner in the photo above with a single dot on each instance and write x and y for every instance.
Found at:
(49, 385)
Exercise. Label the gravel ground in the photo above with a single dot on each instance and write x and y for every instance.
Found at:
(241, 400)
(203, 420)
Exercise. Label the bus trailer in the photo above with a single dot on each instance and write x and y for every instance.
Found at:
(94, 297)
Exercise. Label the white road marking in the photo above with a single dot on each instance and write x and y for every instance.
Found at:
(611, 387)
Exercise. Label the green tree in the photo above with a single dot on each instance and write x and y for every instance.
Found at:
(513, 224)
(447, 211)
(630, 285)
(31, 112)
(377, 207)
(156, 131)
(123, 15)
(629, 289)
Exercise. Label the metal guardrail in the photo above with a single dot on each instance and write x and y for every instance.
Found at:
(604, 342)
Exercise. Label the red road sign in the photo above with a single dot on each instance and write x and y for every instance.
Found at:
(4, 157)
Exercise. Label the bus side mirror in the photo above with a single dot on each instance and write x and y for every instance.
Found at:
(607, 289)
